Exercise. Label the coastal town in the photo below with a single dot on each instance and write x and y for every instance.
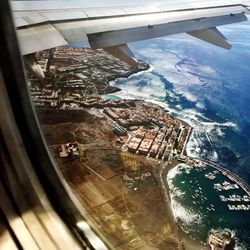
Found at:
(112, 151)
(152, 131)
(76, 77)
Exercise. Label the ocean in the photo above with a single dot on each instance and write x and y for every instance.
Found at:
(209, 88)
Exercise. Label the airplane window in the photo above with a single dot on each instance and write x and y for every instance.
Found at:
(150, 135)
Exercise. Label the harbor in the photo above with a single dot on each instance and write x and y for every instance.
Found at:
(200, 164)
(236, 183)
(216, 200)
(232, 176)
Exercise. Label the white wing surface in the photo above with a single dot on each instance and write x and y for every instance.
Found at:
(46, 24)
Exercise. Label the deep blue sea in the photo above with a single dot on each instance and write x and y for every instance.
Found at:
(206, 86)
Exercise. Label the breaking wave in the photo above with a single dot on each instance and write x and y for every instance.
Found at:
(183, 216)
(205, 131)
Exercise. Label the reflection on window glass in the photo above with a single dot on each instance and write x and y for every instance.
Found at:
(156, 147)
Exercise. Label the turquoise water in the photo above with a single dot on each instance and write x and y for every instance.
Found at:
(193, 199)
(112, 97)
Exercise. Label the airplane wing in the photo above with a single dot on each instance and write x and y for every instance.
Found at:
(46, 24)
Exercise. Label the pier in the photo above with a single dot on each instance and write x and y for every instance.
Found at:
(234, 197)
(231, 176)
(202, 163)
(239, 207)
(186, 141)
(225, 186)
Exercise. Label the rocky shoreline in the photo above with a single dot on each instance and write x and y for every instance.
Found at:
(142, 66)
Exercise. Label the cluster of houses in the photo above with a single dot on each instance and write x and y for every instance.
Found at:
(153, 132)
(73, 76)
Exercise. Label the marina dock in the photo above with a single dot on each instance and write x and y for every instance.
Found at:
(234, 197)
(233, 177)
(239, 207)
(235, 184)
(238, 182)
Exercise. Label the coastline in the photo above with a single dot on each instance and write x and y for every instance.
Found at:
(185, 239)
(135, 72)
(111, 89)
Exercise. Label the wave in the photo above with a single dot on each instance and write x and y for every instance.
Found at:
(205, 132)
(155, 93)
(150, 69)
(178, 170)
(182, 215)
(195, 146)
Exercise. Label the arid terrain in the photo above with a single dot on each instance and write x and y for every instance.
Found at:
(127, 218)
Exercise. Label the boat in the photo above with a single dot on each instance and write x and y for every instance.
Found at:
(223, 198)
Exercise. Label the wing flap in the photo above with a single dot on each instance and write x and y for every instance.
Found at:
(31, 18)
(124, 53)
(19, 21)
(213, 36)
